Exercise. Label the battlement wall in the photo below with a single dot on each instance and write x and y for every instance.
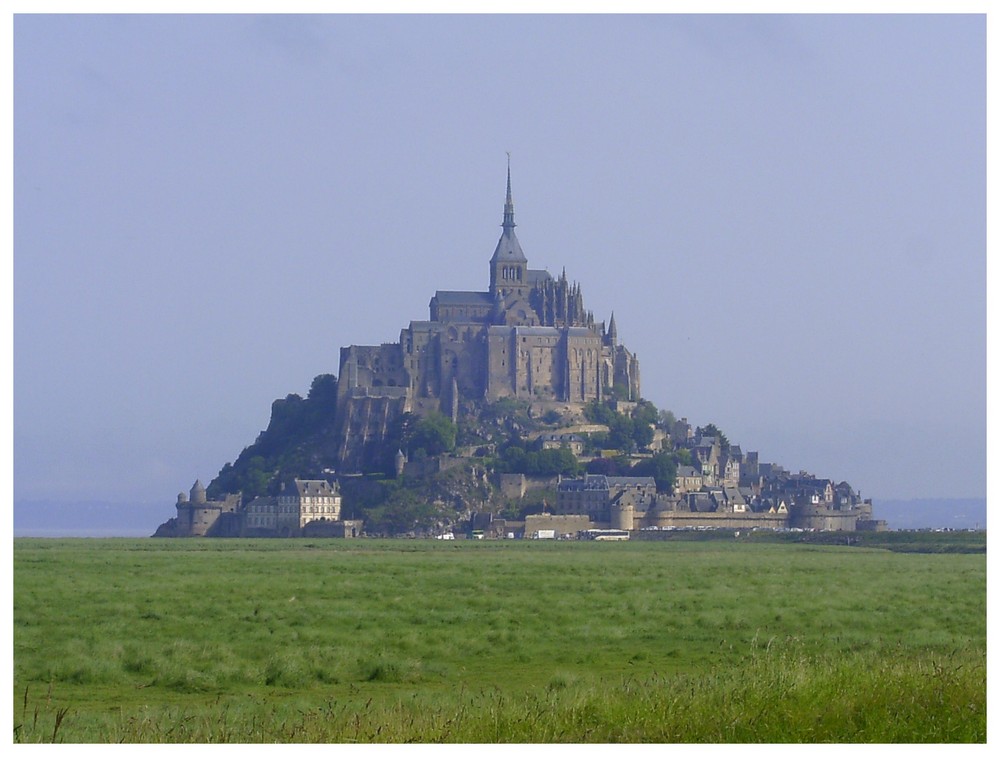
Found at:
(682, 519)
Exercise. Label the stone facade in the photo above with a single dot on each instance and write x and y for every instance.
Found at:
(604, 497)
(198, 515)
(528, 337)
(559, 526)
(799, 501)
(298, 503)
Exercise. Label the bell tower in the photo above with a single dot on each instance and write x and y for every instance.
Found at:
(508, 266)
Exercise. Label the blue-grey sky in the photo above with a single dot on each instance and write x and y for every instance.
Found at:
(787, 215)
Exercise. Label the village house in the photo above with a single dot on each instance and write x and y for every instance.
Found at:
(573, 442)
(298, 504)
(594, 494)
(688, 479)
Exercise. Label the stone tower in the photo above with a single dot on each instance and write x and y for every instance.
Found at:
(508, 266)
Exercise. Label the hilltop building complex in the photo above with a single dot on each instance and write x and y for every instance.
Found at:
(527, 337)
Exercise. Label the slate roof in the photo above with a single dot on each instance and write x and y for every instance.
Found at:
(733, 494)
(561, 438)
(631, 481)
(536, 330)
(508, 249)
(701, 502)
(594, 481)
(590, 482)
(309, 488)
(463, 298)
(536, 277)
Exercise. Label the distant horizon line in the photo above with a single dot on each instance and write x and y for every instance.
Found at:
(82, 533)
(171, 501)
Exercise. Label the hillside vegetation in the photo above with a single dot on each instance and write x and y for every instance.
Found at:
(498, 437)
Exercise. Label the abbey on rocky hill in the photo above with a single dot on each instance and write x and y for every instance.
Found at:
(528, 337)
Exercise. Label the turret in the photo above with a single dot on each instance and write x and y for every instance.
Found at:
(623, 516)
(612, 331)
(198, 496)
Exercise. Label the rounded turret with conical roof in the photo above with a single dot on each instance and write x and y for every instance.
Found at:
(198, 495)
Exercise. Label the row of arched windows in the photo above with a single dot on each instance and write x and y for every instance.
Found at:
(510, 273)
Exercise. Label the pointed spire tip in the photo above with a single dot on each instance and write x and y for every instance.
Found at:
(508, 208)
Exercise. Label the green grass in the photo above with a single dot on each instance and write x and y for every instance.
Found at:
(330, 640)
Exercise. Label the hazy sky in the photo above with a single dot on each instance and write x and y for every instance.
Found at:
(787, 215)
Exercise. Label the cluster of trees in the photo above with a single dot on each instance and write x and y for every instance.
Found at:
(515, 458)
(662, 467)
(430, 436)
(394, 506)
(298, 441)
(390, 508)
(712, 430)
(626, 432)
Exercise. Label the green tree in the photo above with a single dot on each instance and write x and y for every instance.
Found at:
(291, 444)
(552, 417)
(642, 434)
(662, 467)
(609, 466)
(621, 432)
(323, 390)
(599, 412)
(645, 412)
(560, 461)
(435, 434)
(712, 430)
(547, 462)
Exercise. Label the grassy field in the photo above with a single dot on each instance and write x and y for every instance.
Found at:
(397, 641)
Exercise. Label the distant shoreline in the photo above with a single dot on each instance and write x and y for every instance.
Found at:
(105, 520)
(95, 533)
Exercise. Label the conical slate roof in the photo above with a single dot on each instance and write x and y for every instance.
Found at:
(508, 248)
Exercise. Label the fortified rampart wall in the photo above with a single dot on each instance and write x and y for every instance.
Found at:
(560, 524)
(681, 519)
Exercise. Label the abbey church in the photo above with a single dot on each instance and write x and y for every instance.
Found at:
(528, 337)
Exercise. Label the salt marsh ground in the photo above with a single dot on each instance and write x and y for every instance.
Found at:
(736, 641)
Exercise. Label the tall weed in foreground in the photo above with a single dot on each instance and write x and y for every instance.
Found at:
(776, 697)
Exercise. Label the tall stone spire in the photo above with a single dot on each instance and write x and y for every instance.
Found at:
(508, 207)
(508, 266)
